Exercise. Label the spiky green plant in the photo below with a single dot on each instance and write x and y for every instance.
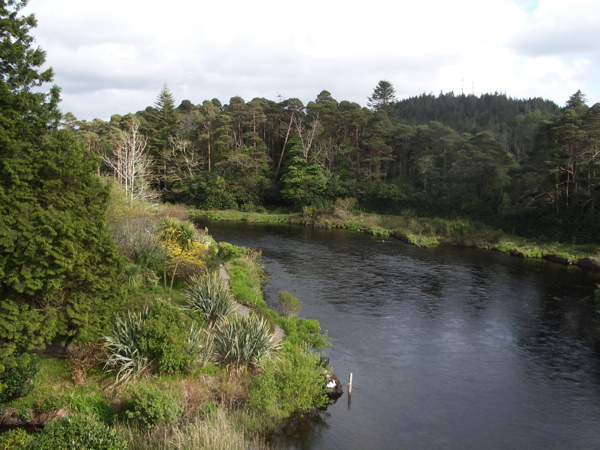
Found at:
(134, 275)
(125, 352)
(210, 295)
(203, 343)
(244, 340)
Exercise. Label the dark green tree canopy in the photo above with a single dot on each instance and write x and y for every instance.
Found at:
(23, 113)
(58, 262)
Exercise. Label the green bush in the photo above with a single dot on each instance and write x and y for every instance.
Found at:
(17, 381)
(78, 432)
(152, 404)
(228, 251)
(288, 304)
(292, 383)
(304, 332)
(16, 439)
(165, 336)
(162, 338)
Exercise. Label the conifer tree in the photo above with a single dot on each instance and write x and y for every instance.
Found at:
(384, 97)
(58, 262)
(164, 119)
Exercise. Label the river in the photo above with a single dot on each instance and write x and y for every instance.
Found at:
(448, 347)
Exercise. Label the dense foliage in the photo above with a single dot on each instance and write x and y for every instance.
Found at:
(526, 166)
(77, 431)
(58, 263)
(288, 384)
(152, 404)
(162, 339)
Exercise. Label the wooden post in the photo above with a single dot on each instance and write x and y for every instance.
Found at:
(350, 385)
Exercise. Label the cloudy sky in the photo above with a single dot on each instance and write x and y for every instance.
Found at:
(114, 56)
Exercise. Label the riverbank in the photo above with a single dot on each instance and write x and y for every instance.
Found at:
(213, 405)
(425, 232)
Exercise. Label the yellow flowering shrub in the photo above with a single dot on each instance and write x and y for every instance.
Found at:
(188, 262)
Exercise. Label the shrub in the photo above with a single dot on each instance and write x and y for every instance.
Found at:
(77, 432)
(228, 251)
(152, 404)
(187, 261)
(244, 340)
(210, 295)
(17, 381)
(166, 338)
(288, 304)
(134, 234)
(162, 338)
(304, 332)
(16, 439)
(292, 383)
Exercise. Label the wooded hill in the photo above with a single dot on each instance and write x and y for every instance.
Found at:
(514, 122)
(526, 166)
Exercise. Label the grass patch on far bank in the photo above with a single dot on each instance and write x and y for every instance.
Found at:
(239, 216)
(422, 232)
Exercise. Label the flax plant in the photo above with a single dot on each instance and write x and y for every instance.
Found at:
(124, 348)
(244, 340)
(210, 295)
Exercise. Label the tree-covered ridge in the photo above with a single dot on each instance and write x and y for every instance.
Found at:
(472, 163)
(512, 120)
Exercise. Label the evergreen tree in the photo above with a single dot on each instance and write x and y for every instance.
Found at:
(58, 262)
(163, 121)
(384, 97)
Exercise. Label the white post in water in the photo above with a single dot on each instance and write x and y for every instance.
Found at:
(350, 385)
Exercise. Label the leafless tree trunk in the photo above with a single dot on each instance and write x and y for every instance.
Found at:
(184, 152)
(131, 164)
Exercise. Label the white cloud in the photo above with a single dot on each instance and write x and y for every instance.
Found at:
(114, 56)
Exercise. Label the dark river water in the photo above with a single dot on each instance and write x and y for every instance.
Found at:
(448, 347)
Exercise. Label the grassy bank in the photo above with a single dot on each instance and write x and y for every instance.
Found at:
(425, 232)
(188, 393)
(216, 405)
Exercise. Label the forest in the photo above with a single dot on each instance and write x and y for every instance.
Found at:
(526, 166)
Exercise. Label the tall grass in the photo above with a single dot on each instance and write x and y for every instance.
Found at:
(222, 429)
(247, 276)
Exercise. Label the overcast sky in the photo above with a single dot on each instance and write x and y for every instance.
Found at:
(114, 56)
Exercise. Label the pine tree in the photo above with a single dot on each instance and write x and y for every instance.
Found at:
(163, 120)
(58, 262)
(384, 97)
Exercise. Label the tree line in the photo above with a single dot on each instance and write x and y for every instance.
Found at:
(527, 166)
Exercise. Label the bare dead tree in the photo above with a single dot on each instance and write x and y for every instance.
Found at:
(131, 163)
(184, 152)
